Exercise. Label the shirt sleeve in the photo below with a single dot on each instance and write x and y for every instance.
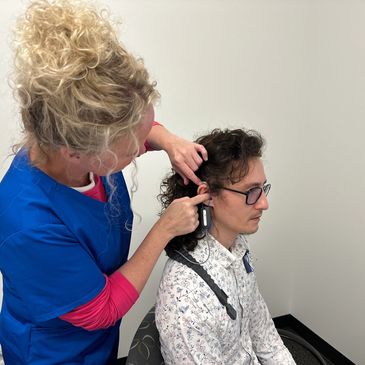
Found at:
(188, 333)
(114, 301)
(266, 342)
(146, 144)
(48, 271)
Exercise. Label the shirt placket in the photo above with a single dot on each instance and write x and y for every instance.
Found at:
(244, 303)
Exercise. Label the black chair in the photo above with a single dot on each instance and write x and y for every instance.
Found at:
(145, 347)
(302, 351)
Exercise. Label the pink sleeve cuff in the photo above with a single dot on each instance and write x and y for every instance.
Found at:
(111, 304)
(146, 144)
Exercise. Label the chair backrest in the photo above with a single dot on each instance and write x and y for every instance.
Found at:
(145, 347)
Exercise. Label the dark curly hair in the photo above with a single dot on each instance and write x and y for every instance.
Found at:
(229, 153)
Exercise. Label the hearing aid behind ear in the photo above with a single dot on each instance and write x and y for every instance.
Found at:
(205, 217)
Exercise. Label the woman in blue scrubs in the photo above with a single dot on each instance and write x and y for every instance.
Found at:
(87, 112)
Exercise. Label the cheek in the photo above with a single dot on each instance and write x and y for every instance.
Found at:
(108, 164)
(120, 159)
(239, 216)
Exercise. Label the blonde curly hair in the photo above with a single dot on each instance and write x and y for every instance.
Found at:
(76, 83)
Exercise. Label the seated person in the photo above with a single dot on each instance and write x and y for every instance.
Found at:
(196, 324)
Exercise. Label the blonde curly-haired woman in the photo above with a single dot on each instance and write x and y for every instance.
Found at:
(65, 219)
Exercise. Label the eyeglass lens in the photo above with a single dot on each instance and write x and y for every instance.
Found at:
(255, 193)
(253, 196)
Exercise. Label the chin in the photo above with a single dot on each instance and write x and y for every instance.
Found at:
(251, 230)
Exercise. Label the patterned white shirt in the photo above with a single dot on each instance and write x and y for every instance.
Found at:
(194, 326)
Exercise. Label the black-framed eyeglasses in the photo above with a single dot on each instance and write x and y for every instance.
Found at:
(254, 194)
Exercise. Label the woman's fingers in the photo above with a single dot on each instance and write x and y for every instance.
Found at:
(181, 217)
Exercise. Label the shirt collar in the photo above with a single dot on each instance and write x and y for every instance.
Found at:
(217, 253)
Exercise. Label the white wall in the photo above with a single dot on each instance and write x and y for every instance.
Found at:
(329, 294)
(228, 64)
(291, 70)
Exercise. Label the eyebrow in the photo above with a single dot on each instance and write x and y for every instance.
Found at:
(254, 185)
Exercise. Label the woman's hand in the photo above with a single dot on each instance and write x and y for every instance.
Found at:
(181, 216)
(186, 157)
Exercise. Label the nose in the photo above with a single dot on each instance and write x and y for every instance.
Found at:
(262, 203)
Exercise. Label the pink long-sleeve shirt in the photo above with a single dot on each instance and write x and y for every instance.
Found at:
(118, 294)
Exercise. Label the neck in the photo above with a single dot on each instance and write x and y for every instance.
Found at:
(59, 169)
(226, 239)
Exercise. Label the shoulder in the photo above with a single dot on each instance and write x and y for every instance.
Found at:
(25, 201)
(26, 210)
(24, 194)
(184, 297)
(177, 276)
(36, 239)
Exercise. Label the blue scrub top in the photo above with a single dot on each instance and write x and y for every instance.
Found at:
(55, 245)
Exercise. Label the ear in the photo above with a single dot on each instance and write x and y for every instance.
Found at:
(69, 155)
(202, 189)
